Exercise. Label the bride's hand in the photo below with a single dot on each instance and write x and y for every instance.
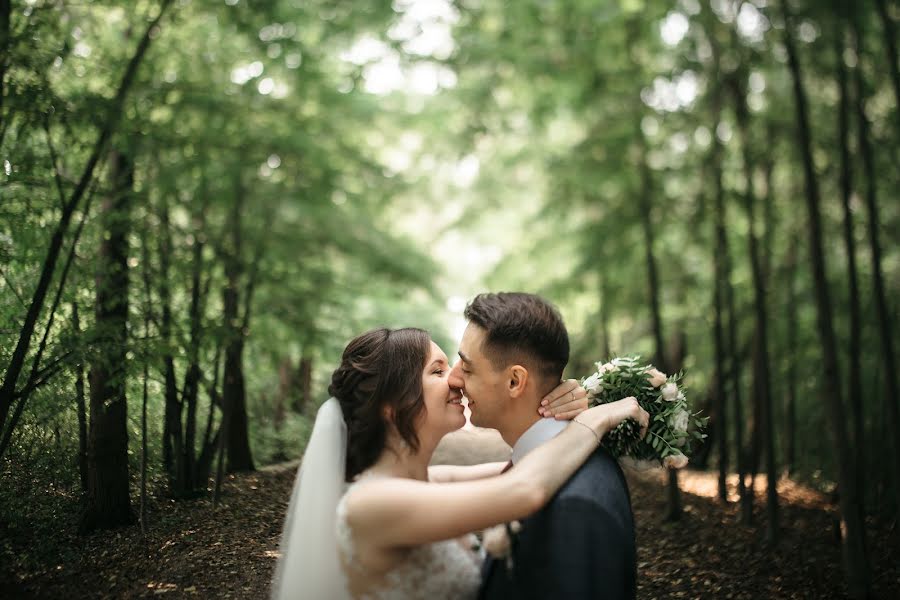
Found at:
(565, 402)
(606, 417)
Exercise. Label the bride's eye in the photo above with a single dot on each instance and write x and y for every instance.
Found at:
(439, 372)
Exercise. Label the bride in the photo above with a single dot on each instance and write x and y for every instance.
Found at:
(397, 531)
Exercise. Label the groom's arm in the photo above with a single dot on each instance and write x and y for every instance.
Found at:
(586, 554)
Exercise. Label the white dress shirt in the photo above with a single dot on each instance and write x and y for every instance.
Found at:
(542, 431)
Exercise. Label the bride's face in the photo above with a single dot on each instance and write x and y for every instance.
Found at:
(443, 404)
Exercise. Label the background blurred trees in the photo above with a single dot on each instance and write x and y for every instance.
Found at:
(234, 189)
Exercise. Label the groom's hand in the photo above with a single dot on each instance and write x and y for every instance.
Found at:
(565, 402)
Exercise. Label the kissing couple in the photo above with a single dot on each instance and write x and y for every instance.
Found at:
(369, 518)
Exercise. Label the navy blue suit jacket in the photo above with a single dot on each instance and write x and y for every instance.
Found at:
(581, 545)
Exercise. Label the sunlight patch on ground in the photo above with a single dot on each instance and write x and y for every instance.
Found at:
(705, 484)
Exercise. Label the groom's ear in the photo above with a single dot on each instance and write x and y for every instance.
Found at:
(517, 379)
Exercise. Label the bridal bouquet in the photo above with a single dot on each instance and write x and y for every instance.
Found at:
(673, 428)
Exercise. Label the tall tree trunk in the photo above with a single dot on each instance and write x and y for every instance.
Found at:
(17, 361)
(288, 390)
(222, 436)
(721, 286)
(768, 211)
(854, 362)
(646, 204)
(604, 316)
(192, 375)
(306, 369)
(142, 515)
(745, 493)
(854, 545)
(108, 503)
(148, 304)
(174, 447)
(720, 281)
(761, 361)
(5, 42)
(211, 444)
(80, 407)
(233, 390)
(791, 352)
(885, 326)
(198, 473)
(890, 47)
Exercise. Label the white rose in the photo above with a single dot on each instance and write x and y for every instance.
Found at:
(675, 461)
(657, 377)
(592, 383)
(679, 421)
(496, 541)
(606, 368)
(670, 392)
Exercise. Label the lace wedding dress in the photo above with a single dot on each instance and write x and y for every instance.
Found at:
(429, 572)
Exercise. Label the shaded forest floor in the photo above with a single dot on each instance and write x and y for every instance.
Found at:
(192, 551)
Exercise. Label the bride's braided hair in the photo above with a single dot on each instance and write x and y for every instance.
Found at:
(380, 378)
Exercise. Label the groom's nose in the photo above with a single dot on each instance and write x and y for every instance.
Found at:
(455, 379)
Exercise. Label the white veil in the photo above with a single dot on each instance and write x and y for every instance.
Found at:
(309, 567)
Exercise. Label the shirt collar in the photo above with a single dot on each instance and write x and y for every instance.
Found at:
(542, 431)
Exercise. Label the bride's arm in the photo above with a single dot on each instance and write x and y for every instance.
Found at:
(394, 512)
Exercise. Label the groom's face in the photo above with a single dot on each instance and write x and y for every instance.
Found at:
(475, 375)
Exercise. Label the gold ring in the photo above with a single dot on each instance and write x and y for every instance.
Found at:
(573, 395)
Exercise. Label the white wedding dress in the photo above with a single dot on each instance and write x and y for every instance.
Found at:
(317, 545)
(442, 570)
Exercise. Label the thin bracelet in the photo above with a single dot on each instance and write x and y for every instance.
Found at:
(589, 428)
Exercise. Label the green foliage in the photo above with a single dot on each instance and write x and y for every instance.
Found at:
(673, 426)
(563, 124)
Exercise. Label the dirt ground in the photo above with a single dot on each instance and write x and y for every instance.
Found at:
(192, 551)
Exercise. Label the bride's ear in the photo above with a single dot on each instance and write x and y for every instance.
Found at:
(517, 380)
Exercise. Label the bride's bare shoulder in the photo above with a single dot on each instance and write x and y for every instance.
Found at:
(370, 501)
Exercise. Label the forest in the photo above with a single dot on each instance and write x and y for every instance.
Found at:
(202, 201)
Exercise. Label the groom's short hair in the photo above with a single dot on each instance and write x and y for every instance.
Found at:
(521, 329)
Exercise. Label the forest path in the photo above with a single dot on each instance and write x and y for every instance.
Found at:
(193, 552)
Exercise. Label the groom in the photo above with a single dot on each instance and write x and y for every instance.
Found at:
(581, 545)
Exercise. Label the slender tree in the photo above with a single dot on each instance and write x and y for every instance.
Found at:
(761, 348)
(304, 394)
(108, 503)
(174, 450)
(17, 361)
(885, 326)
(854, 546)
(719, 251)
(854, 348)
(790, 399)
(80, 406)
(645, 196)
(890, 48)
(5, 13)
(234, 390)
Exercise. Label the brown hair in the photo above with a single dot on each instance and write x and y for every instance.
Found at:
(380, 369)
(522, 328)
